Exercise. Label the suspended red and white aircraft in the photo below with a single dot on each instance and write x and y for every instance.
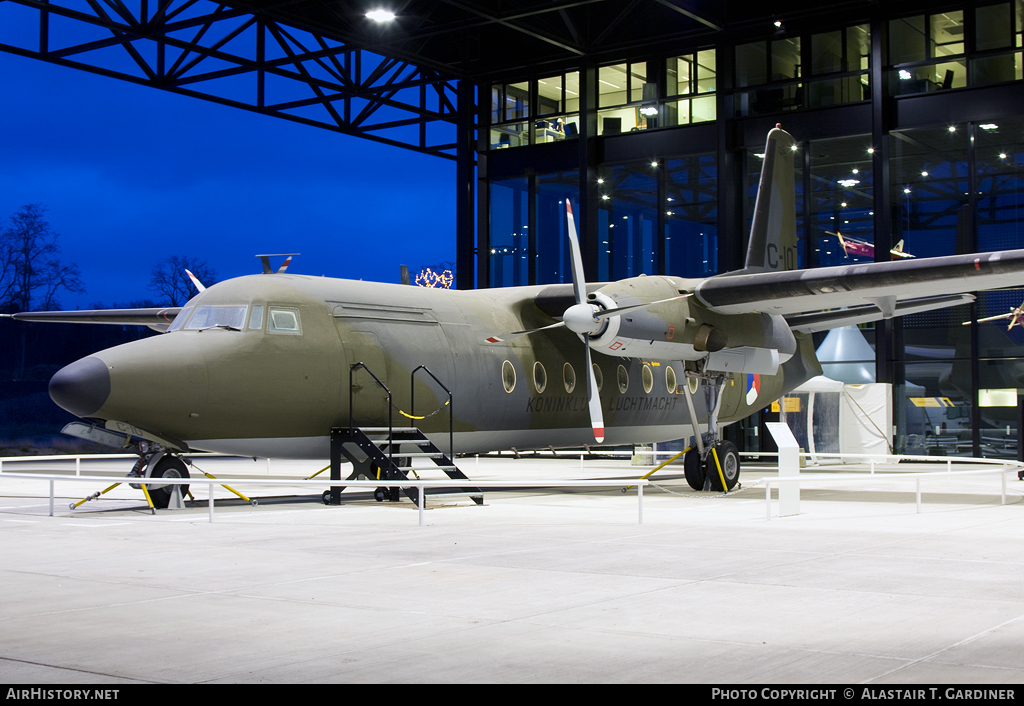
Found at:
(856, 246)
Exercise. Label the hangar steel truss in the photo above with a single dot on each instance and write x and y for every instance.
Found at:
(236, 57)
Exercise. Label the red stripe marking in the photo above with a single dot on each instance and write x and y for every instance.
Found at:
(977, 263)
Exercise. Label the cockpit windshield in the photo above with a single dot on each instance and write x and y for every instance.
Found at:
(223, 316)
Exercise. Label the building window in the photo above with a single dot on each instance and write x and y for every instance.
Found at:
(510, 112)
(535, 111)
(627, 223)
(774, 70)
(690, 85)
(691, 216)
(823, 69)
(558, 107)
(842, 215)
(926, 53)
(839, 67)
(509, 232)
(624, 96)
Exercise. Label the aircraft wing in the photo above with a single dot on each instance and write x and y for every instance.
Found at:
(157, 317)
(882, 284)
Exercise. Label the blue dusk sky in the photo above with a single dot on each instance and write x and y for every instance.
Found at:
(131, 175)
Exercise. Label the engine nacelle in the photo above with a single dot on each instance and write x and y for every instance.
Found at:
(746, 359)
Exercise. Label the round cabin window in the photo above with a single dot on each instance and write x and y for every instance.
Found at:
(598, 376)
(648, 378)
(670, 379)
(540, 377)
(508, 376)
(623, 379)
(568, 377)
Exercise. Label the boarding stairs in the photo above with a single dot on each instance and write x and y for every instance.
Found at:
(388, 453)
(383, 453)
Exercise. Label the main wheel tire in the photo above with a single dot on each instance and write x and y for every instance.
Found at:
(694, 469)
(729, 457)
(167, 467)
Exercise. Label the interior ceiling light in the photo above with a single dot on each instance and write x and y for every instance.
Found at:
(847, 183)
(381, 15)
(649, 110)
(989, 126)
(905, 75)
(952, 128)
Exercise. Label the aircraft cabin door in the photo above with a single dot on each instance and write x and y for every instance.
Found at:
(369, 400)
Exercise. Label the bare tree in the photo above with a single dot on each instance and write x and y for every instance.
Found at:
(31, 273)
(172, 283)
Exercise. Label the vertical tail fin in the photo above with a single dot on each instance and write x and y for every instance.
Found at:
(773, 233)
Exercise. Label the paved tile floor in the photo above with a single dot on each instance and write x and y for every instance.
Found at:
(540, 586)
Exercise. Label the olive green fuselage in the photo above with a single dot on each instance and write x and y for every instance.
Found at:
(261, 392)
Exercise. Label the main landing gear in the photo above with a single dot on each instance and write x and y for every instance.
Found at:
(714, 464)
(703, 473)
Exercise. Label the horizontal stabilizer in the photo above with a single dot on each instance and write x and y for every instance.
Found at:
(837, 318)
(879, 284)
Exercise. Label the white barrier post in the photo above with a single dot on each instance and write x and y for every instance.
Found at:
(918, 496)
(421, 491)
(640, 502)
(51, 498)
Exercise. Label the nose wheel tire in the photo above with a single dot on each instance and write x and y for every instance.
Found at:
(167, 467)
(729, 458)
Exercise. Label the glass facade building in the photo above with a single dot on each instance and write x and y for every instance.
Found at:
(909, 144)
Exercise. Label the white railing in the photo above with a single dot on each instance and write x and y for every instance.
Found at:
(874, 460)
(418, 484)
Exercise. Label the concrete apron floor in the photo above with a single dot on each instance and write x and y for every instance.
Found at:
(534, 586)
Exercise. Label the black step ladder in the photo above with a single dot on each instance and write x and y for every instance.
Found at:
(387, 453)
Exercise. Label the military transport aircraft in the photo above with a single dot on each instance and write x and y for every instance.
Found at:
(286, 365)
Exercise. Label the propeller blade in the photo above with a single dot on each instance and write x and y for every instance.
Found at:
(198, 285)
(593, 399)
(516, 334)
(579, 283)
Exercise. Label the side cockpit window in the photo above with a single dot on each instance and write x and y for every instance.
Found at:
(256, 317)
(282, 320)
(180, 319)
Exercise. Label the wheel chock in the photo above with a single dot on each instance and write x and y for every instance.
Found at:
(174, 502)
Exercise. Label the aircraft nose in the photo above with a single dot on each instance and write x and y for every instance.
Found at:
(82, 387)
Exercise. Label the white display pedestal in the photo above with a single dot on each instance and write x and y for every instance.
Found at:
(789, 467)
